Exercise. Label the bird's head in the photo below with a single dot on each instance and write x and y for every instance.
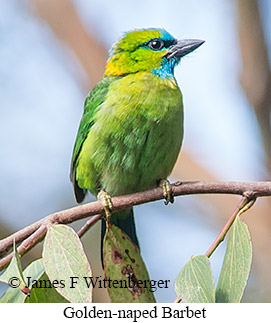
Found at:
(150, 50)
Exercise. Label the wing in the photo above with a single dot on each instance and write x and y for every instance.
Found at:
(92, 103)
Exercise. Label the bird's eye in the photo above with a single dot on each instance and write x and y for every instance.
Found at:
(156, 44)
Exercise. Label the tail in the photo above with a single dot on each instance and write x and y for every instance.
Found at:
(125, 221)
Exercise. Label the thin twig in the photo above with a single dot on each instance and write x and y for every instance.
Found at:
(89, 224)
(26, 245)
(247, 201)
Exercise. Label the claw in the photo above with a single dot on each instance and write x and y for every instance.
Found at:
(167, 191)
(105, 199)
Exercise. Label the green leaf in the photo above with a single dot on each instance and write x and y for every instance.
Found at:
(34, 271)
(13, 275)
(122, 259)
(236, 265)
(41, 293)
(14, 295)
(66, 264)
(194, 283)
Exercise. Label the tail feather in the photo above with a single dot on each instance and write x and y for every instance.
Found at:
(125, 221)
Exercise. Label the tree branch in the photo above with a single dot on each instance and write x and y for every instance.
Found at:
(35, 232)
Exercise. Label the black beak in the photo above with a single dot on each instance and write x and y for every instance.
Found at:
(184, 47)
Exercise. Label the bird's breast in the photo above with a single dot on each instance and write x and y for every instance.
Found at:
(144, 94)
(142, 121)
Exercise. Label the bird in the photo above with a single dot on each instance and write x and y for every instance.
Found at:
(131, 129)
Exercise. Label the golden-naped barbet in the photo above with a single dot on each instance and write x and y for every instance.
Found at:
(131, 130)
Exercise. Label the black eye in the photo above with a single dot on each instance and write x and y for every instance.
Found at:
(156, 44)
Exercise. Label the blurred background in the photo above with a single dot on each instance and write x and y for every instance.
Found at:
(52, 53)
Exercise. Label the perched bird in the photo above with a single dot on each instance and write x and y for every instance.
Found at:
(131, 130)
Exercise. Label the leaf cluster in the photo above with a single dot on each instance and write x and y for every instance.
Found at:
(64, 273)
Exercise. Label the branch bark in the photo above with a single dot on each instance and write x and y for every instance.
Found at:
(35, 232)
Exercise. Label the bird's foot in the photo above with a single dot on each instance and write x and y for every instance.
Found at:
(167, 191)
(105, 199)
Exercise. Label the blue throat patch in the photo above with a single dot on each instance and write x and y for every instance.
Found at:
(167, 68)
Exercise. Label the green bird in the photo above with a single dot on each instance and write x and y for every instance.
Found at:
(131, 130)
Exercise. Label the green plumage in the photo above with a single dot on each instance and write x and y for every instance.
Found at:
(132, 127)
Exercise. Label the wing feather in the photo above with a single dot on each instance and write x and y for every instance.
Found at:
(92, 103)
